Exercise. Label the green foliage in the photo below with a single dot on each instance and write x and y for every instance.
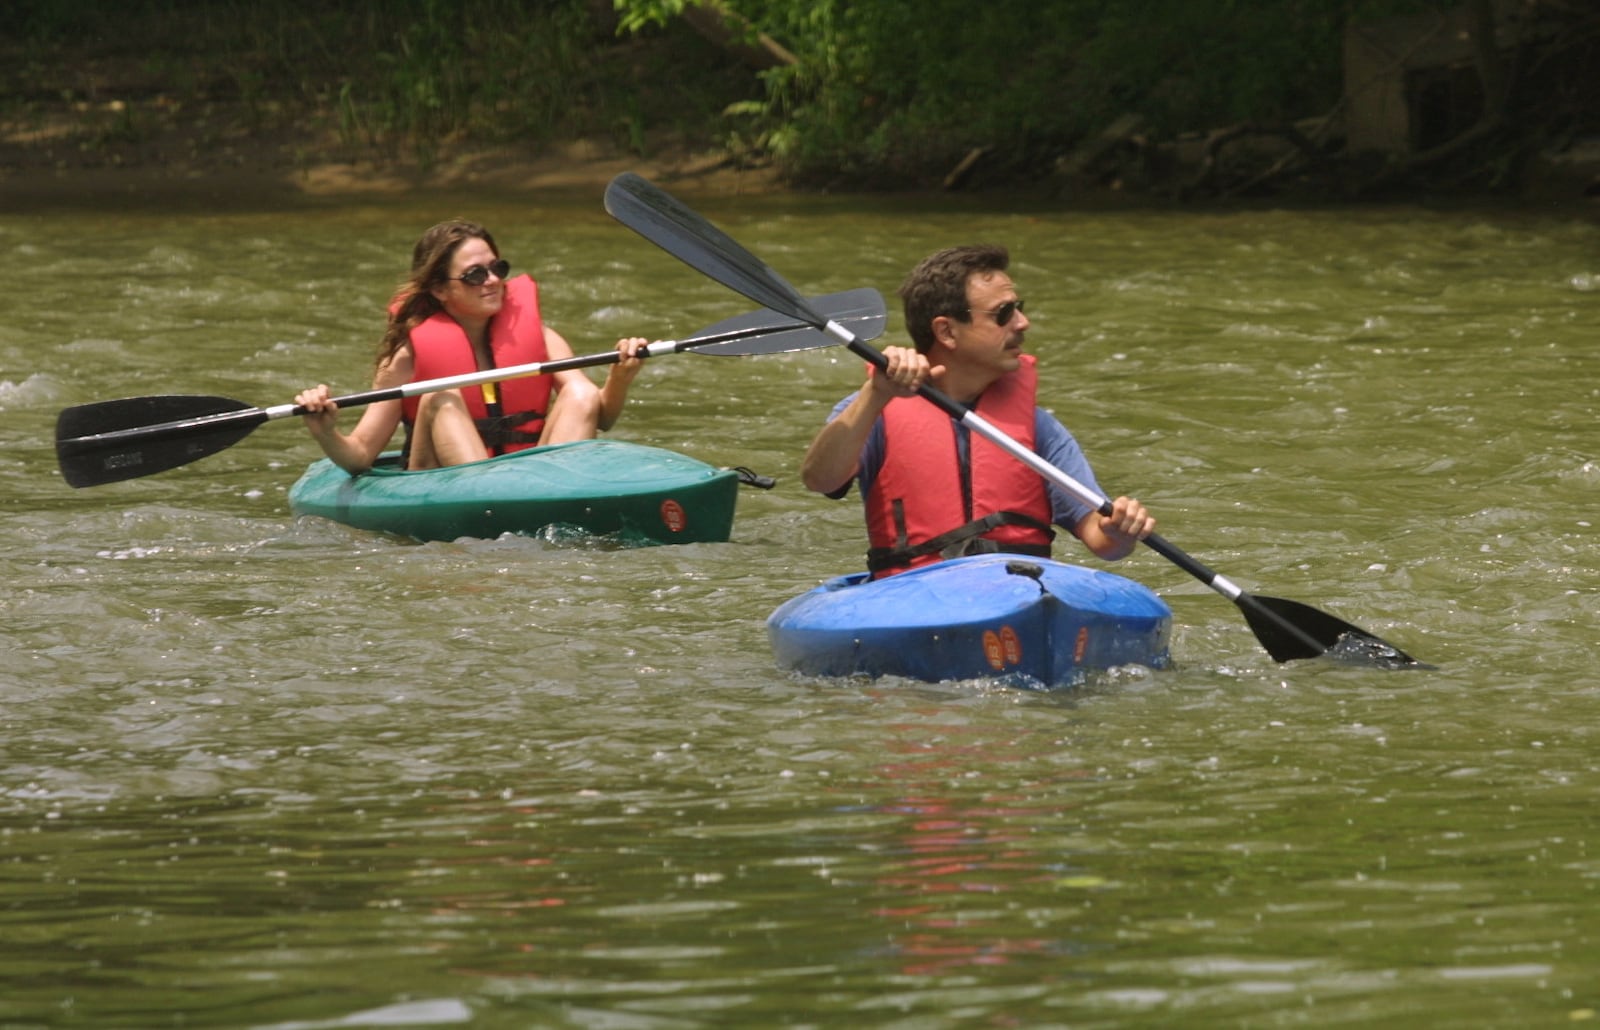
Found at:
(639, 15)
(899, 91)
(436, 76)
(403, 76)
(883, 93)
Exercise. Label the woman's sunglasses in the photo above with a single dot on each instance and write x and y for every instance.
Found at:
(477, 275)
(1002, 314)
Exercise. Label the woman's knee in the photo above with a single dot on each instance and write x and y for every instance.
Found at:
(432, 404)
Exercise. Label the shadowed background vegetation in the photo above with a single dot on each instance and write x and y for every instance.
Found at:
(836, 94)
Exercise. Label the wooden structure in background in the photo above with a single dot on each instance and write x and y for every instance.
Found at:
(1416, 83)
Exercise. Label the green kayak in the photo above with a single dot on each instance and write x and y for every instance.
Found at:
(643, 495)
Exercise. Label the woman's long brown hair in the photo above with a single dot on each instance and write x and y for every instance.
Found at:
(414, 302)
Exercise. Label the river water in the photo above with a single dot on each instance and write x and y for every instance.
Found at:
(271, 773)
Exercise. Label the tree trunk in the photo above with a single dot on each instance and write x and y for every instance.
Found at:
(736, 36)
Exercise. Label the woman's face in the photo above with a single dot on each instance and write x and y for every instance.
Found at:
(467, 303)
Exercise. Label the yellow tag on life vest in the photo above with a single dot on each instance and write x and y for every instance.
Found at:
(490, 394)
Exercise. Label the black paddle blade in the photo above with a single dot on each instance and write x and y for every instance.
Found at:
(110, 441)
(664, 220)
(861, 311)
(1290, 631)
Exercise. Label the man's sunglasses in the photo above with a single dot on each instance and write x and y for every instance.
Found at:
(1002, 314)
(477, 275)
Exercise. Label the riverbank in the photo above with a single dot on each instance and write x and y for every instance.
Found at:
(280, 103)
(182, 164)
(154, 151)
(95, 123)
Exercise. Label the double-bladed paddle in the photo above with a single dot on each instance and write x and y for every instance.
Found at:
(1287, 629)
(109, 441)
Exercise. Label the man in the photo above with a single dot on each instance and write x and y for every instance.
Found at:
(931, 489)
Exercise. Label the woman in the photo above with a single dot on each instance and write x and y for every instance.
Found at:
(456, 314)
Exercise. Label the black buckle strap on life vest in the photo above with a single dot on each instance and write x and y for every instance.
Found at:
(497, 430)
(963, 540)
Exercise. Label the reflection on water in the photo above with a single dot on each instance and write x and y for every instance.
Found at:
(260, 771)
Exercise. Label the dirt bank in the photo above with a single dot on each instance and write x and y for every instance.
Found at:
(154, 149)
(249, 171)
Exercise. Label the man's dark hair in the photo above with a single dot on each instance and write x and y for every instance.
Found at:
(938, 286)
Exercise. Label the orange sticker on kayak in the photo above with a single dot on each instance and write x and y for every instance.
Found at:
(991, 649)
(1002, 648)
(1012, 645)
(673, 516)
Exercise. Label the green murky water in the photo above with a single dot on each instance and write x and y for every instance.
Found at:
(268, 773)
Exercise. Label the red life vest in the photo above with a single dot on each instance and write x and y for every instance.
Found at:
(919, 497)
(440, 349)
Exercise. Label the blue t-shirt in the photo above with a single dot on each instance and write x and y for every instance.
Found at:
(1052, 442)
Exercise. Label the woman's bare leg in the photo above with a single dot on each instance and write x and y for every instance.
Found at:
(445, 433)
(573, 416)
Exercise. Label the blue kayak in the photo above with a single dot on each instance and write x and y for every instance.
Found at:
(1028, 621)
(642, 495)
